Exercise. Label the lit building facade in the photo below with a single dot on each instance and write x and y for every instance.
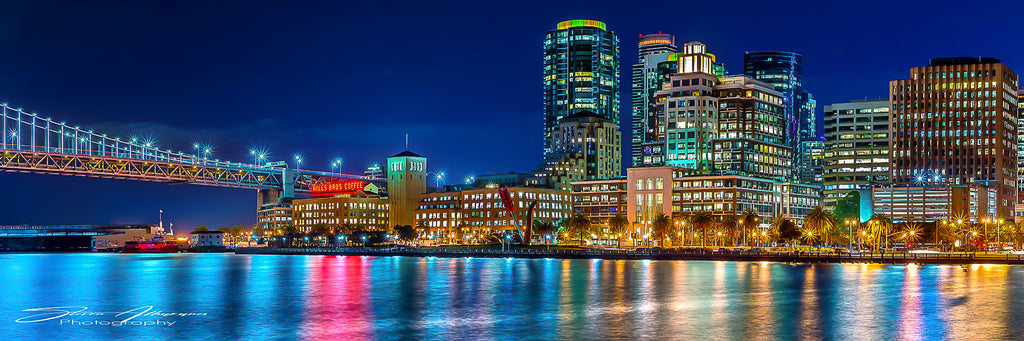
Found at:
(856, 147)
(355, 203)
(750, 129)
(592, 139)
(686, 113)
(274, 213)
(678, 191)
(812, 156)
(207, 238)
(653, 50)
(510, 179)
(955, 122)
(407, 181)
(479, 212)
(795, 199)
(581, 72)
(936, 201)
(1019, 211)
(599, 199)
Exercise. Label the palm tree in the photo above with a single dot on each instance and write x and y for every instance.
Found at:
(617, 225)
(662, 226)
(880, 226)
(749, 221)
(728, 226)
(702, 221)
(820, 221)
(944, 233)
(545, 228)
(784, 229)
(578, 226)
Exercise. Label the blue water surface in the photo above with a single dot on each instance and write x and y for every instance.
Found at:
(287, 297)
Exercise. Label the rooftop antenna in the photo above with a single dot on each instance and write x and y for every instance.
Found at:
(406, 141)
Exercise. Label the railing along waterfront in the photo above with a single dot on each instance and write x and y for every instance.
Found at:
(685, 254)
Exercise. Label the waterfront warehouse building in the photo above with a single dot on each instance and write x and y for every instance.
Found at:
(856, 147)
(473, 213)
(677, 191)
(653, 50)
(207, 238)
(581, 72)
(955, 122)
(355, 204)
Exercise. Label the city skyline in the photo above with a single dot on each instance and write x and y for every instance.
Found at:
(97, 76)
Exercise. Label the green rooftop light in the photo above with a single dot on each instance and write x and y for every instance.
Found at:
(581, 23)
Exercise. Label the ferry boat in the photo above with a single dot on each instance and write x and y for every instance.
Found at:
(155, 245)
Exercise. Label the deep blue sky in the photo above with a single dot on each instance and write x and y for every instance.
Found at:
(350, 79)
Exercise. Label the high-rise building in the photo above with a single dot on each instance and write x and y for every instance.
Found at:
(687, 113)
(407, 181)
(654, 50)
(812, 157)
(1019, 211)
(784, 70)
(584, 146)
(750, 129)
(1020, 145)
(581, 72)
(592, 139)
(955, 122)
(856, 147)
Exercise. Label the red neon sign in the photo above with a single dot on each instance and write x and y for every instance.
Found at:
(338, 187)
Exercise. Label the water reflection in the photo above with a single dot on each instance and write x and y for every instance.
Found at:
(361, 298)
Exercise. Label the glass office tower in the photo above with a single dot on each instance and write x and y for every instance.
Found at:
(654, 49)
(581, 73)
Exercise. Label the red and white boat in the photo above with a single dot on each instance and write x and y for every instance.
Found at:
(155, 245)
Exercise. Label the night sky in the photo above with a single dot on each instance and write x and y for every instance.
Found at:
(349, 80)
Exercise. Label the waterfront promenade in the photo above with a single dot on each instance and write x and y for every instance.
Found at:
(640, 254)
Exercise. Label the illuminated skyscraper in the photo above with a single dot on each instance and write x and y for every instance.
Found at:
(856, 147)
(955, 122)
(581, 72)
(654, 49)
(784, 70)
(750, 129)
(687, 113)
(1020, 154)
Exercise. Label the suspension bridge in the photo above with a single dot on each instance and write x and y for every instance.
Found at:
(34, 144)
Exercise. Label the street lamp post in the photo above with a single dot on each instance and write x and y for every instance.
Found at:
(740, 222)
(985, 221)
